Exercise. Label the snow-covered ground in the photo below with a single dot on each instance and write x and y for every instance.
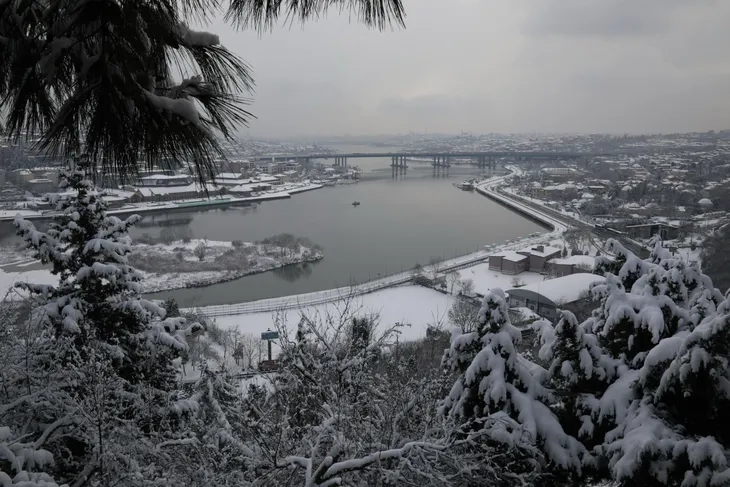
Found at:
(484, 279)
(416, 306)
(14, 255)
(215, 266)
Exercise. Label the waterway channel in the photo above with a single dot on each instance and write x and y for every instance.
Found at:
(401, 221)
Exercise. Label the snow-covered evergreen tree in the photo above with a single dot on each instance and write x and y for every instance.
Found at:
(668, 334)
(498, 391)
(102, 359)
(578, 373)
(213, 421)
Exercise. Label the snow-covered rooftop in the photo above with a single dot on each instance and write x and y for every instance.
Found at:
(153, 190)
(566, 289)
(546, 250)
(165, 176)
(585, 260)
(229, 175)
(243, 188)
(510, 255)
(513, 256)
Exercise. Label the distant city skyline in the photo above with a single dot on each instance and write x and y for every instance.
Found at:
(518, 66)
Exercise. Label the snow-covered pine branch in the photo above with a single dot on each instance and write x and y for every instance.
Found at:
(495, 382)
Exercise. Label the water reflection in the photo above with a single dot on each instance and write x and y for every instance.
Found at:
(171, 220)
(294, 272)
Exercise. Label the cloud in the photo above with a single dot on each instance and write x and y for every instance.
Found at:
(601, 18)
(497, 66)
(430, 106)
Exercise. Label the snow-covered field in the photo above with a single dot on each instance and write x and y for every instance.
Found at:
(416, 306)
(12, 255)
(484, 279)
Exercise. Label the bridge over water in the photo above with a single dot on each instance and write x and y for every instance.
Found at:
(439, 158)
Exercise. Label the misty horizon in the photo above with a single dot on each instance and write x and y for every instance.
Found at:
(559, 66)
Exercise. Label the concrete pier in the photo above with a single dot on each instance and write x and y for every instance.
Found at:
(398, 164)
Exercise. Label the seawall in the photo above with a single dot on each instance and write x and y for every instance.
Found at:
(530, 214)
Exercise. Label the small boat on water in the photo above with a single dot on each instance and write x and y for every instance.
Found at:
(355, 203)
(467, 185)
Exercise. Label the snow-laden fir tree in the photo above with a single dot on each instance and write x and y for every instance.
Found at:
(498, 391)
(642, 302)
(100, 383)
(578, 373)
(213, 419)
(670, 391)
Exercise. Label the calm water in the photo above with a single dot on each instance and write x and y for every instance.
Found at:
(401, 221)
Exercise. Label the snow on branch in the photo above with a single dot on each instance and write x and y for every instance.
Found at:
(181, 107)
(328, 472)
(197, 38)
(180, 442)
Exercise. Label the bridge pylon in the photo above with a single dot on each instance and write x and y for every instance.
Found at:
(398, 163)
(441, 164)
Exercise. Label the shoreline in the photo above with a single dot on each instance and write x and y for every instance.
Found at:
(168, 207)
(229, 276)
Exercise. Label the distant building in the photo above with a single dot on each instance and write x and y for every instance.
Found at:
(557, 192)
(546, 297)
(41, 186)
(533, 259)
(705, 203)
(175, 193)
(539, 255)
(267, 167)
(570, 265)
(509, 262)
(163, 180)
(229, 179)
(648, 230)
(559, 172)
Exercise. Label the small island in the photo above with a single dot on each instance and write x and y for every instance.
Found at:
(201, 262)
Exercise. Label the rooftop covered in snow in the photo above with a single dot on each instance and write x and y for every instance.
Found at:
(510, 255)
(540, 250)
(555, 292)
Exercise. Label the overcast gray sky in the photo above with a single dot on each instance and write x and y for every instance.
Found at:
(496, 66)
